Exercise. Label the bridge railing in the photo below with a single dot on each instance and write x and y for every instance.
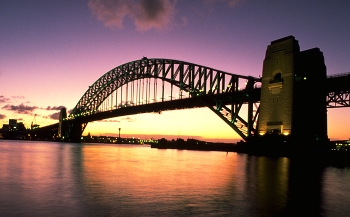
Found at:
(339, 75)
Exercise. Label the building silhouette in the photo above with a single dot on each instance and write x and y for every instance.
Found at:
(292, 104)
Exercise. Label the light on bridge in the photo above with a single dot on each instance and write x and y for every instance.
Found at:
(261, 133)
(286, 132)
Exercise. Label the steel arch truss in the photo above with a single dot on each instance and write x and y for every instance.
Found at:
(189, 80)
(244, 128)
(338, 99)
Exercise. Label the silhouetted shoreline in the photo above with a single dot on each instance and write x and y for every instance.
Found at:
(335, 153)
(193, 144)
(328, 154)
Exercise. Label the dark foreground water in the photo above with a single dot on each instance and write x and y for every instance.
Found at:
(62, 179)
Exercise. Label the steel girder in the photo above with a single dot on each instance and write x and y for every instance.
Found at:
(196, 80)
(338, 90)
(338, 99)
(232, 116)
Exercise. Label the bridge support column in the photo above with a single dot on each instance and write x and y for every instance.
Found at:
(62, 125)
(250, 118)
(76, 129)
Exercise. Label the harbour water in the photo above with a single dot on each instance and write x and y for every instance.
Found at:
(65, 179)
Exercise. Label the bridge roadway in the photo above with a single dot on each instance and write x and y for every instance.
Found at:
(337, 85)
(50, 131)
(337, 90)
(338, 82)
(196, 102)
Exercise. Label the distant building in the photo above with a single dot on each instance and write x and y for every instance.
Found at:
(12, 122)
(13, 126)
(13, 130)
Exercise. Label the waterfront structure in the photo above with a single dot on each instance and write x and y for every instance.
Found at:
(13, 125)
(62, 126)
(155, 85)
(293, 97)
(13, 129)
(288, 102)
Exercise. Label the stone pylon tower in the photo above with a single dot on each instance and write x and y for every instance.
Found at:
(62, 127)
(277, 87)
(292, 100)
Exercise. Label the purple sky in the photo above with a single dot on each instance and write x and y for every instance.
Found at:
(52, 51)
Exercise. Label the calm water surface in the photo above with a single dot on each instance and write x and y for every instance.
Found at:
(63, 179)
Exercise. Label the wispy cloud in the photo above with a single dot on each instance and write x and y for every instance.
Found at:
(231, 3)
(110, 121)
(20, 109)
(54, 116)
(129, 119)
(4, 99)
(55, 107)
(2, 116)
(18, 97)
(146, 14)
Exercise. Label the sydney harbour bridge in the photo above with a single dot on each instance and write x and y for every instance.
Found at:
(155, 85)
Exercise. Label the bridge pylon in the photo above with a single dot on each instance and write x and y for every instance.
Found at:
(292, 102)
(75, 130)
(70, 130)
(62, 126)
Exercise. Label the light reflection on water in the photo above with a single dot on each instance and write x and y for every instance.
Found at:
(62, 179)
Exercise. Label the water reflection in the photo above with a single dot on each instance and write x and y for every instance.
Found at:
(305, 188)
(191, 182)
(58, 179)
(267, 185)
(164, 181)
(36, 179)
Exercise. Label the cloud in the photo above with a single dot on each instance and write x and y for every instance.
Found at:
(54, 116)
(55, 107)
(18, 97)
(146, 14)
(231, 3)
(111, 120)
(2, 116)
(4, 99)
(20, 109)
(154, 14)
(128, 119)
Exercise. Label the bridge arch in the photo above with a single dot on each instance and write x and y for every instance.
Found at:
(170, 77)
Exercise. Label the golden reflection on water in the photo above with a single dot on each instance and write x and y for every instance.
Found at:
(57, 179)
(192, 178)
(33, 176)
(153, 172)
(142, 173)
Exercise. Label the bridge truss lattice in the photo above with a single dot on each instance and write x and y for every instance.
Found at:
(170, 84)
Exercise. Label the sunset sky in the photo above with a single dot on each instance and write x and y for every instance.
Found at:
(51, 51)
